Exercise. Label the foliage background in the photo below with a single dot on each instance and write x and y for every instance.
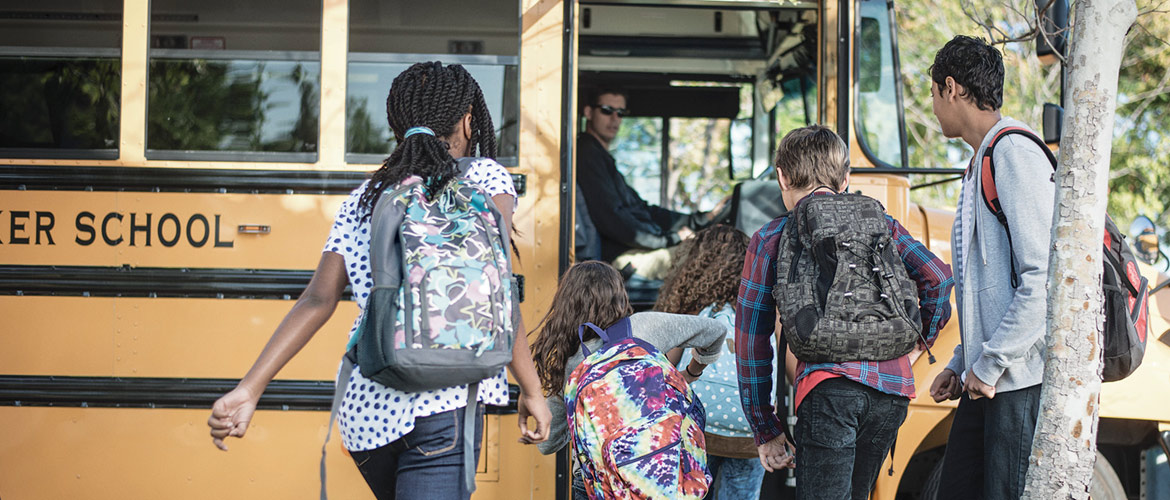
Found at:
(1140, 166)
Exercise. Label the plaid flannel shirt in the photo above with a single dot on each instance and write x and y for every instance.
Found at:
(755, 319)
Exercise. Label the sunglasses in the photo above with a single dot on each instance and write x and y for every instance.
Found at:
(608, 110)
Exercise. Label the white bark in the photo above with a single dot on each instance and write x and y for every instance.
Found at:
(1064, 448)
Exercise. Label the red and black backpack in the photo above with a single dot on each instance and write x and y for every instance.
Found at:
(1126, 291)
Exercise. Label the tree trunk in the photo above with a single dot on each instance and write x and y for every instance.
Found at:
(1064, 449)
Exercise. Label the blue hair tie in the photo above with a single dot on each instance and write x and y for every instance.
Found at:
(418, 130)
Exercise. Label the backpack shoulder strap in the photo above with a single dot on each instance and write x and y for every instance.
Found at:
(464, 165)
(339, 386)
(581, 335)
(788, 236)
(617, 332)
(620, 330)
(990, 194)
(465, 162)
(987, 167)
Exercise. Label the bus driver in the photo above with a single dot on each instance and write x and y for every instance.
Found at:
(629, 229)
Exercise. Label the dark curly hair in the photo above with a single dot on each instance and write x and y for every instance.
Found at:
(975, 65)
(590, 291)
(706, 271)
(430, 95)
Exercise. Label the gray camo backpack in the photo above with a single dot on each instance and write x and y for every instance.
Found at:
(842, 290)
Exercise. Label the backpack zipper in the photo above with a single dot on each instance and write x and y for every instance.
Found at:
(659, 451)
(495, 259)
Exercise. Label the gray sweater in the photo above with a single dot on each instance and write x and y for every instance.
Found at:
(1002, 328)
(662, 330)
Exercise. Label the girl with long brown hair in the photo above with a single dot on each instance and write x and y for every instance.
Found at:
(593, 292)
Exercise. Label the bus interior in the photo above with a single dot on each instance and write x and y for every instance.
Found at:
(712, 88)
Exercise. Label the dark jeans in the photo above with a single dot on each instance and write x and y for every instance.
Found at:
(579, 491)
(425, 463)
(844, 431)
(987, 451)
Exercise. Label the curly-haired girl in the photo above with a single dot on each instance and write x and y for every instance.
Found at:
(704, 281)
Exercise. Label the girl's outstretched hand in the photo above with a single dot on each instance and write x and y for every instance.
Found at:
(230, 415)
(532, 405)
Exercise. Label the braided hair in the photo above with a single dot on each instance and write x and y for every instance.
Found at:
(430, 95)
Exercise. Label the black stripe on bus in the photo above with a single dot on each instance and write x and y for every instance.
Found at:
(154, 282)
(183, 180)
(164, 282)
(141, 392)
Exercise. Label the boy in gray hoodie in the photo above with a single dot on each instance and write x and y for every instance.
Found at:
(998, 366)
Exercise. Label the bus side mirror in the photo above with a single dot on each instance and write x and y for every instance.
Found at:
(1145, 237)
(1053, 118)
(1052, 39)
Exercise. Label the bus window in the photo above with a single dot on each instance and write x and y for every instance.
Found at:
(387, 37)
(708, 88)
(60, 68)
(795, 106)
(637, 149)
(705, 153)
(880, 119)
(700, 154)
(234, 80)
(368, 137)
(701, 150)
(741, 135)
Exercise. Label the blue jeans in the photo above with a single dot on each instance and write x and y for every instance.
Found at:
(425, 463)
(987, 451)
(735, 478)
(579, 491)
(844, 430)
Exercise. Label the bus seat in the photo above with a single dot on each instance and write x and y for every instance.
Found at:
(755, 203)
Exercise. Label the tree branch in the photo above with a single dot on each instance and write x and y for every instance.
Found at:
(1144, 99)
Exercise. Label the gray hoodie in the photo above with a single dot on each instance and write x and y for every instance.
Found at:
(662, 330)
(1002, 328)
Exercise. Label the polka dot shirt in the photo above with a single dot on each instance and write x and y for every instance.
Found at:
(718, 389)
(373, 415)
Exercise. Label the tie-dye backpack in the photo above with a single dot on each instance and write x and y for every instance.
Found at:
(637, 427)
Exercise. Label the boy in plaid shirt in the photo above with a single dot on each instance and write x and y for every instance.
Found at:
(848, 414)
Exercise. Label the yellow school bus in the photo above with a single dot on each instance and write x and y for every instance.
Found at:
(169, 171)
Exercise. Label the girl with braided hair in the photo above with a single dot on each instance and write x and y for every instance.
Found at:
(406, 445)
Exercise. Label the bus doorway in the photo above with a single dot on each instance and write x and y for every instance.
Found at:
(709, 89)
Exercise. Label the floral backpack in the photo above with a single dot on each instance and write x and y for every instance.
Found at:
(636, 426)
(443, 309)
